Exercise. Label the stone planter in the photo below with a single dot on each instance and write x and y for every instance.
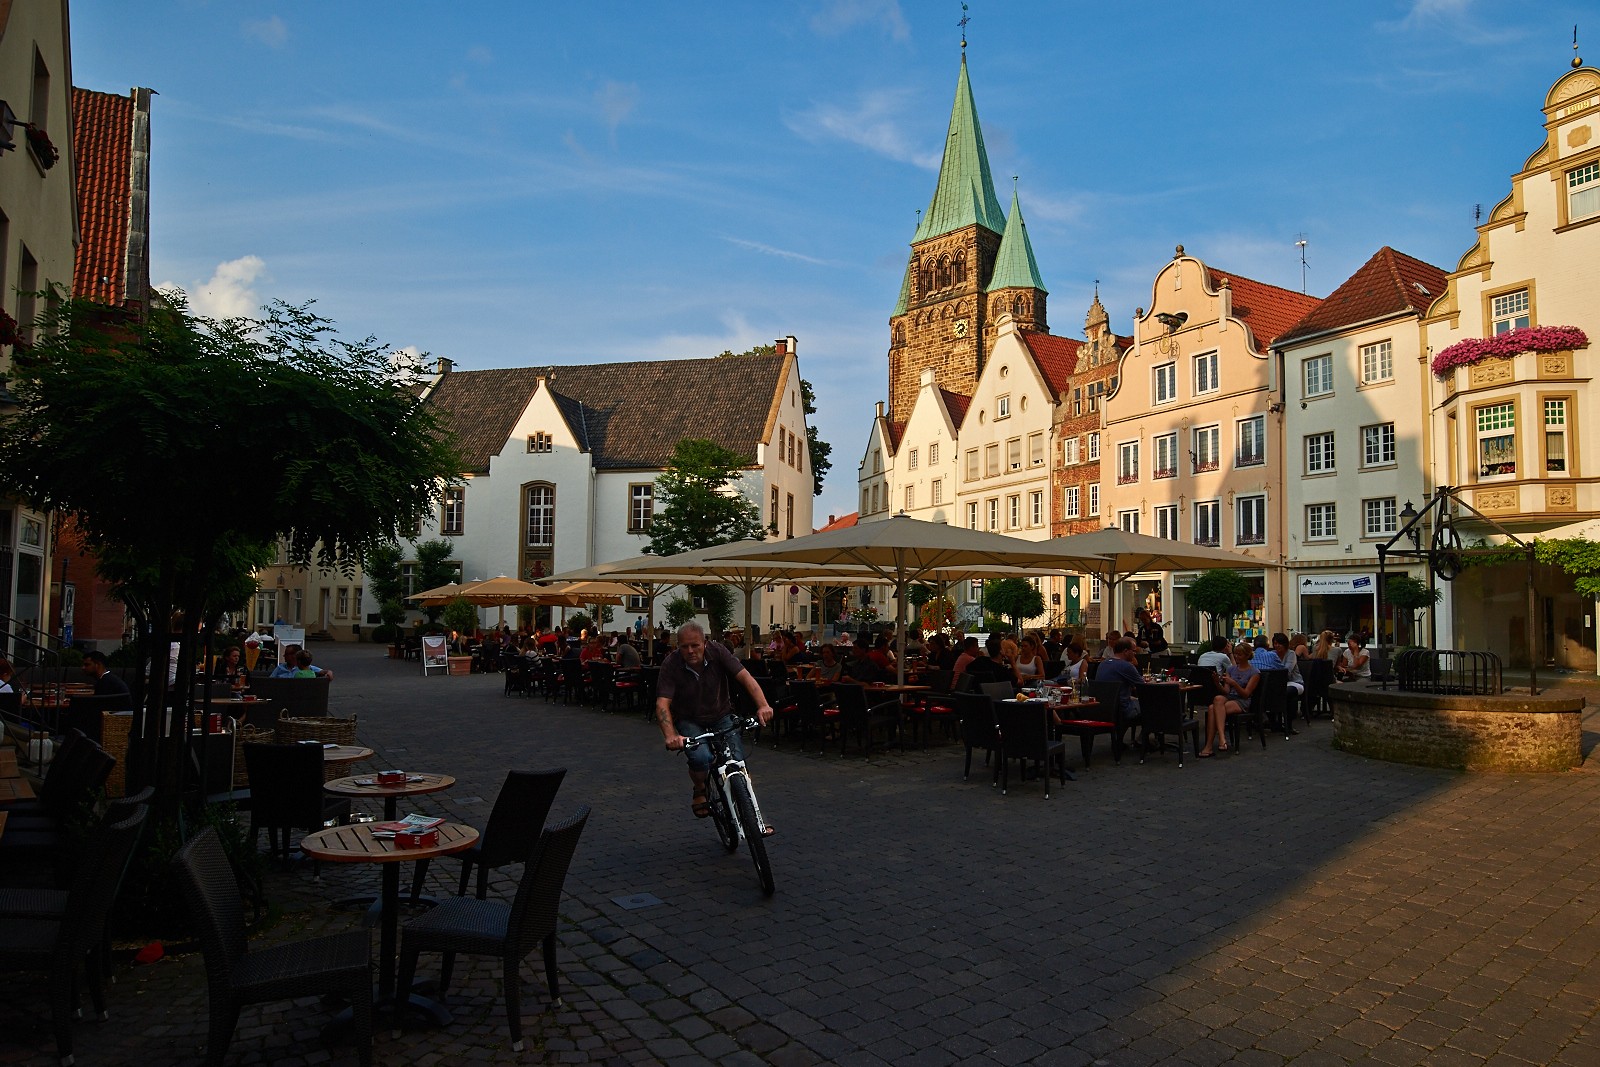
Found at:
(460, 664)
(1513, 732)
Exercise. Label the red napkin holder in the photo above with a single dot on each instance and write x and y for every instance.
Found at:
(391, 777)
(422, 839)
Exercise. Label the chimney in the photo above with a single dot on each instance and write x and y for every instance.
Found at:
(781, 347)
(880, 409)
(832, 519)
(445, 366)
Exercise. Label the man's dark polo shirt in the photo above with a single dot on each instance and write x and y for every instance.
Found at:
(700, 697)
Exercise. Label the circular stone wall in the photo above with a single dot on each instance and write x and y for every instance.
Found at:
(1510, 732)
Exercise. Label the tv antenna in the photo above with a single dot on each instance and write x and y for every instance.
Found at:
(1300, 242)
(1477, 214)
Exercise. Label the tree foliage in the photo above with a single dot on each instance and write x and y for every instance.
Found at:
(680, 609)
(718, 601)
(1013, 598)
(700, 504)
(1410, 594)
(186, 448)
(1578, 556)
(435, 568)
(383, 574)
(1219, 594)
(461, 616)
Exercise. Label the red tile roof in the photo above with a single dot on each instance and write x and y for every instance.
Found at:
(897, 430)
(1057, 358)
(1268, 310)
(957, 405)
(1387, 284)
(102, 145)
(841, 522)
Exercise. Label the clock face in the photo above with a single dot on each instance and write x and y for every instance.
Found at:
(961, 327)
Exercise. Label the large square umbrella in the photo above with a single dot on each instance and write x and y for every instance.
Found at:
(903, 551)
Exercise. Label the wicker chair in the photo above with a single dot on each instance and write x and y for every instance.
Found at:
(56, 947)
(338, 965)
(286, 793)
(495, 928)
(1025, 735)
(513, 831)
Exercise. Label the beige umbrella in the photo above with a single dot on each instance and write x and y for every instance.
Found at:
(439, 594)
(903, 551)
(1130, 553)
(643, 586)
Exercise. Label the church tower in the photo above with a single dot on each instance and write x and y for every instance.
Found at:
(966, 261)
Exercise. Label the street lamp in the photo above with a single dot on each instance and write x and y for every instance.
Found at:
(1407, 516)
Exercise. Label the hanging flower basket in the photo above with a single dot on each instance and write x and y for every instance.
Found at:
(1511, 343)
(10, 333)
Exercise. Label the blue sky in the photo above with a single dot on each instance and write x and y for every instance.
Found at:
(515, 183)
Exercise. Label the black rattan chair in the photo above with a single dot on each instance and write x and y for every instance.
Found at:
(1025, 735)
(286, 792)
(978, 729)
(514, 825)
(336, 965)
(1163, 712)
(508, 932)
(858, 716)
(57, 946)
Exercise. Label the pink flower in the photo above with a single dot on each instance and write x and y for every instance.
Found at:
(1511, 343)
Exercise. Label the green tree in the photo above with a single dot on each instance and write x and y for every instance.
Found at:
(434, 568)
(1578, 556)
(680, 609)
(1410, 595)
(461, 616)
(718, 601)
(1014, 598)
(700, 503)
(133, 428)
(818, 450)
(383, 574)
(1219, 594)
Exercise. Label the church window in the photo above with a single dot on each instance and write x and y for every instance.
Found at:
(541, 516)
(1019, 307)
(961, 268)
(943, 279)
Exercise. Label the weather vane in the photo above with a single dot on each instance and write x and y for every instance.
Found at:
(1577, 60)
(965, 20)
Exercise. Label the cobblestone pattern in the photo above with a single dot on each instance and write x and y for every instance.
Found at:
(1297, 904)
(1498, 734)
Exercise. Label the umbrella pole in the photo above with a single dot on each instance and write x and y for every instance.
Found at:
(749, 595)
(900, 632)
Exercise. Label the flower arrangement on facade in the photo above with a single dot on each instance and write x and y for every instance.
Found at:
(10, 332)
(39, 141)
(1511, 343)
(937, 614)
(865, 615)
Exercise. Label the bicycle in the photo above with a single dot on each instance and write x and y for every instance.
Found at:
(732, 800)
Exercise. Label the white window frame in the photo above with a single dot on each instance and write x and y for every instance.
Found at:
(1242, 458)
(1094, 446)
(1378, 440)
(1207, 448)
(1036, 507)
(1316, 375)
(1166, 456)
(933, 453)
(1094, 500)
(1557, 428)
(1377, 363)
(1207, 374)
(1319, 453)
(1490, 426)
(1250, 512)
(1002, 407)
(911, 460)
(1208, 519)
(539, 518)
(1322, 522)
(972, 515)
(641, 506)
(911, 498)
(1166, 521)
(1379, 517)
(1583, 191)
(1071, 448)
(1014, 511)
(1164, 383)
(1511, 310)
(1128, 520)
(1127, 462)
(453, 511)
(936, 492)
(1036, 449)
(1013, 454)
(1071, 502)
(992, 506)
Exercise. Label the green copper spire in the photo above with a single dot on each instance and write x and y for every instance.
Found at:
(905, 293)
(1014, 265)
(965, 193)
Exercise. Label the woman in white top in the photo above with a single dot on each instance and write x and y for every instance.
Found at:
(1353, 661)
(1030, 661)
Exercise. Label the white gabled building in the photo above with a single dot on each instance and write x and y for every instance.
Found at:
(561, 462)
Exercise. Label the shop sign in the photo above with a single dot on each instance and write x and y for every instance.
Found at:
(1324, 584)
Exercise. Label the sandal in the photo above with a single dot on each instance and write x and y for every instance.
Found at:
(701, 807)
(768, 830)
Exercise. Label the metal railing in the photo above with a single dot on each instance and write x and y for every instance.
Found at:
(1447, 671)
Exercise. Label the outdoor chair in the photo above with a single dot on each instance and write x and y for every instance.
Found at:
(1318, 677)
(494, 928)
(1024, 734)
(286, 793)
(573, 684)
(1104, 718)
(1273, 692)
(518, 675)
(84, 713)
(1207, 689)
(56, 947)
(858, 716)
(978, 729)
(515, 824)
(1255, 718)
(997, 690)
(813, 714)
(338, 965)
(1163, 712)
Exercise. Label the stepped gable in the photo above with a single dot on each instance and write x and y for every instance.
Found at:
(1269, 310)
(1389, 283)
(1057, 358)
(626, 415)
(102, 146)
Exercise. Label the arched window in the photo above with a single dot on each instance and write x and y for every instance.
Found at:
(944, 272)
(1019, 306)
(925, 277)
(961, 268)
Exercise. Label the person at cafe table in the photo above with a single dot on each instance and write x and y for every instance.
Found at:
(287, 665)
(863, 669)
(105, 683)
(1122, 667)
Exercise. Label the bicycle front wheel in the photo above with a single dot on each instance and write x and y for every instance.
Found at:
(722, 818)
(745, 805)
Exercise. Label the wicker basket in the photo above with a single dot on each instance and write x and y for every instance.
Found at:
(329, 731)
(243, 735)
(114, 730)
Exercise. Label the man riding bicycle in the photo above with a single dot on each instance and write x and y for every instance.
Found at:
(693, 696)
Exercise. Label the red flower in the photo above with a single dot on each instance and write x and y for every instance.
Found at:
(10, 333)
(39, 141)
(1511, 343)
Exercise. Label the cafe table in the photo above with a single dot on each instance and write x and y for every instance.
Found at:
(1043, 706)
(356, 844)
(337, 755)
(367, 787)
(15, 789)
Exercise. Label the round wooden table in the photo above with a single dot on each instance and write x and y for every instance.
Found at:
(339, 754)
(355, 844)
(367, 787)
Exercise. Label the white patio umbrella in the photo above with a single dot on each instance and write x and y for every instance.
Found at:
(903, 551)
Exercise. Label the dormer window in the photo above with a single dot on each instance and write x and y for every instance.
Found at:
(539, 442)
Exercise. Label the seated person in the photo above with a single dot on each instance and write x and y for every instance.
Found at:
(5, 676)
(592, 650)
(1239, 684)
(993, 666)
(288, 665)
(1217, 658)
(1122, 667)
(302, 665)
(1074, 658)
(1264, 658)
(105, 683)
(628, 657)
(228, 668)
(1108, 646)
(964, 659)
(827, 669)
(1354, 664)
(1030, 661)
(881, 655)
(862, 669)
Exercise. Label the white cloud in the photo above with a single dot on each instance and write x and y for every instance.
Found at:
(617, 101)
(874, 123)
(840, 15)
(781, 253)
(271, 32)
(229, 292)
(1425, 11)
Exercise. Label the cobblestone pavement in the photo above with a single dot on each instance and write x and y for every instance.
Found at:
(1293, 904)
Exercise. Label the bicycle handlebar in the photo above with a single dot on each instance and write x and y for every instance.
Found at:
(700, 739)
